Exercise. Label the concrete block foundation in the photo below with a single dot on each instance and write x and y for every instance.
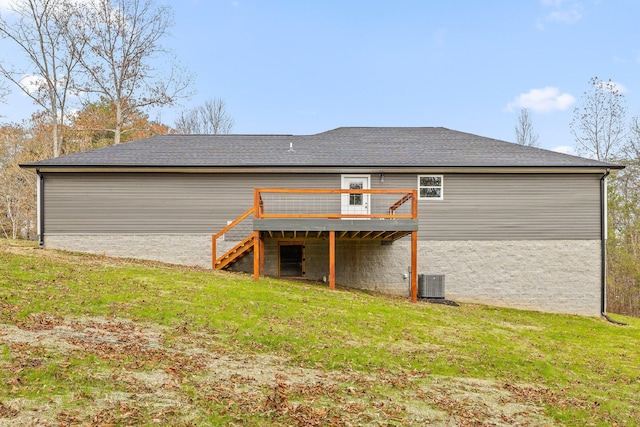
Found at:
(560, 276)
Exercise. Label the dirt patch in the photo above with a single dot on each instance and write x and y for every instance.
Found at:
(471, 401)
(144, 378)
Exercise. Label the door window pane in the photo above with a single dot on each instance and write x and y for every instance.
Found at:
(355, 199)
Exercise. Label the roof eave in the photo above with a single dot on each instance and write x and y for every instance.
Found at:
(323, 169)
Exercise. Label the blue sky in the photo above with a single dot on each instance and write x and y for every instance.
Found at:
(303, 67)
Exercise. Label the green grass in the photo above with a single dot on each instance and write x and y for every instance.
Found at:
(579, 371)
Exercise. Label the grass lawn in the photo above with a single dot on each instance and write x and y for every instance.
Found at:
(89, 340)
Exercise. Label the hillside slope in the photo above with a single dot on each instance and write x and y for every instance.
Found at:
(89, 340)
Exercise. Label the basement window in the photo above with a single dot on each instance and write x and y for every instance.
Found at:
(430, 187)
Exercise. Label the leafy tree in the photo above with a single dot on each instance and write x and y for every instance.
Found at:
(623, 245)
(123, 39)
(211, 118)
(599, 126)
(19, 144)
(524, 130)
(91, 126)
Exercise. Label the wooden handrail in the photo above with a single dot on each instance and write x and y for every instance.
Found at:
(337, 216)
(244, 243)
(214, 237)
(260, 205)
(234, 222)
(407, 195)
(399, 203)
(328, 191)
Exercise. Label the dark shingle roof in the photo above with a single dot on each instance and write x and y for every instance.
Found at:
(343, 147)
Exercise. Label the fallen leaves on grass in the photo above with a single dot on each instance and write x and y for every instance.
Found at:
(7, 411)
(119, 413)
(40, 322)
(278, 400)
(66, 418)
(148, 377)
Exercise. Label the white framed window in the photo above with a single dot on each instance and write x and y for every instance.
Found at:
(430, 187)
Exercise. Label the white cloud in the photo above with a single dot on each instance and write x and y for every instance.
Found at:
(555, 3)
(619, 59)
(565, 149)
(4, 5)
(568, 16)
(563, 12)
(32, 83)
(543, 100)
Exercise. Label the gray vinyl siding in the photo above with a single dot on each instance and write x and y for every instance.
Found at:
(509, 207)
(157, 203)
(475, 206)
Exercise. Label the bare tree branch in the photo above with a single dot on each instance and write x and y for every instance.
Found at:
(39, 28)
(631, 148)
(599, 126)
(524, 130)
(124, 41)
(4, 91)
(211, 118)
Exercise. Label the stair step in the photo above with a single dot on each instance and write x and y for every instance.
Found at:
(235, 253)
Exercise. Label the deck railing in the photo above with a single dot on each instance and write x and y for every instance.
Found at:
(335, 203)
(216, 236)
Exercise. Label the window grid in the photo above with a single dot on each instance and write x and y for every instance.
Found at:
(430, 187)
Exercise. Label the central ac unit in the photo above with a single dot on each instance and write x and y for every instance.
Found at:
(431, 286)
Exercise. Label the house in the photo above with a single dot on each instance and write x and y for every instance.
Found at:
(476, 219)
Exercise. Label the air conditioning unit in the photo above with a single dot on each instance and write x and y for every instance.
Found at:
(431, 286)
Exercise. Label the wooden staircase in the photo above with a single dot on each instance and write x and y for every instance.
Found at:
(235, 254)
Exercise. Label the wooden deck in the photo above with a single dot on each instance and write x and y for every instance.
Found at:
(346, 229)
(320, 213)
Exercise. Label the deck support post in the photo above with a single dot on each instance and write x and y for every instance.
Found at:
(332, 260)
(414, 266)
(213, 251)
(261, 255)
(257, 243)
(256, 255)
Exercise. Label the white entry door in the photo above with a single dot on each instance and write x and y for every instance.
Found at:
(356, 203)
